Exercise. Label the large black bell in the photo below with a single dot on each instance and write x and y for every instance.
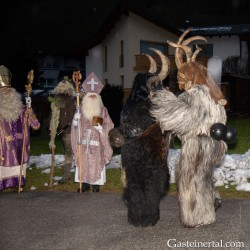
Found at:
(218, 131)
(230, 135)
(116, 138)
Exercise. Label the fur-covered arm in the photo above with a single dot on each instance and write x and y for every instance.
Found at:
(169, 111)
(190, 114)
(53, 124)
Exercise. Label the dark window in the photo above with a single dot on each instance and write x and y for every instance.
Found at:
(207, 50)
(122, 81)
(105, 65)
(144, 47)
(121, 57)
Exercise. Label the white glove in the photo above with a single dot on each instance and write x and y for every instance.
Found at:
(99, 128)
(28, 101)
(77, 117)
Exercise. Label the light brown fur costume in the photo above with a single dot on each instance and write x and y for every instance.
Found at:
(190, 116)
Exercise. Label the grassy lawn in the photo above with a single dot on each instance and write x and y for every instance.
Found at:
(242, 125)
(39, 145)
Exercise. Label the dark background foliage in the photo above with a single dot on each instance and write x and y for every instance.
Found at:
(112, 97)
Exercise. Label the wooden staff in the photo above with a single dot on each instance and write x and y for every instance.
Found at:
(76, 78)
(52, 167)
(30, 78)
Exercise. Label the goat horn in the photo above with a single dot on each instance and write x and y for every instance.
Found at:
(183, 35)
(185, 48)
(191, 39)
(198, 49)
(165, 64)
(153, 67)
(178, 51)
(164, 69)
(183, 45)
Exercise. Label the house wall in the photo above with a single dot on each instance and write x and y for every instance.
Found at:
(94, 62)
(223, 46)
(131, 29)
(112, 42)
(140, 29)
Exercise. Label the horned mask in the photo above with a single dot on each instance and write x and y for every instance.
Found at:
(156, 79)
(192, 72)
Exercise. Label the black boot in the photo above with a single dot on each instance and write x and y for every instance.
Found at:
(85, 187)
(66, 175)
(64, 180)
(95, 188)
(217, 203)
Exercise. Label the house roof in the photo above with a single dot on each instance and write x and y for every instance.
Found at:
(206, 19)
(115, 15)
(223, 30)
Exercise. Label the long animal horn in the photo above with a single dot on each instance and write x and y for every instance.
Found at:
(182, 46)
(164, 69)
(198, 49)
(153, 67)
(178, 54)
(164, 64)
(186, 49)
(183, 35)
(193, 38)
(178, 51)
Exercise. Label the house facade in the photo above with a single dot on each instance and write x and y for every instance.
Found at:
(119, 56)
(53, 68)
(114, 59)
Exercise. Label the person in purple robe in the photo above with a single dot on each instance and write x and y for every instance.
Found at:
(15, 123)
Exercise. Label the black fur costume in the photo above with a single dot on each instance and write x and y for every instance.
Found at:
(144, 156)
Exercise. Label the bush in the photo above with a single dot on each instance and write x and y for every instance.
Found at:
(112, 97)
(235, 65)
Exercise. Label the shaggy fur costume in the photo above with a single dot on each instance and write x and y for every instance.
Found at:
(190, 117)
(144, 157)
(62, 112)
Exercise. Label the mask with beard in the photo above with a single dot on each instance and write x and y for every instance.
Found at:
(91, 107)
(10, 104)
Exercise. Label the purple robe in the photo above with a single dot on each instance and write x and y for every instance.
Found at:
(12, 136)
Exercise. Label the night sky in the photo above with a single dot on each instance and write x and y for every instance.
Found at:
(32, 27)
(50, 25)
(59, 26)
